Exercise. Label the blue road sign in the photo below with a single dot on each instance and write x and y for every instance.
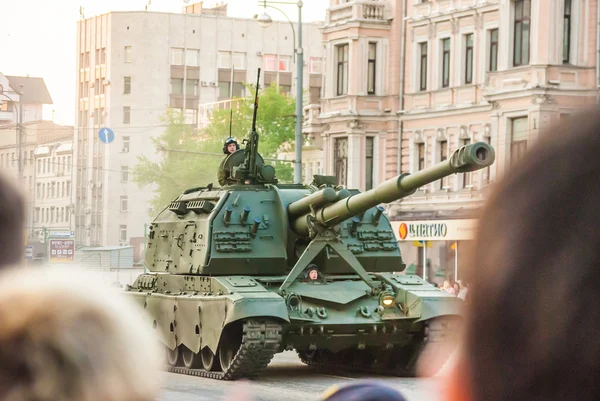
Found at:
(106, 135)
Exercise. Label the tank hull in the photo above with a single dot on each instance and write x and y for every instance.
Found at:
(335, 321)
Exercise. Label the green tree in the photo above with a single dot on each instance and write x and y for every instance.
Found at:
(183, 162)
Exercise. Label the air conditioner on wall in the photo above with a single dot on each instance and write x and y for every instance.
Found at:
(204, 83)
(214, 84)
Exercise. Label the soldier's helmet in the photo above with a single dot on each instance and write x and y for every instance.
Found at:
(227, 143)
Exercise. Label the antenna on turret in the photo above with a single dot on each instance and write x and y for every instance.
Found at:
(231, 101)
(254, 135)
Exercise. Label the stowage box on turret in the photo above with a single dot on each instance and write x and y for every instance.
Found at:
(248, 270)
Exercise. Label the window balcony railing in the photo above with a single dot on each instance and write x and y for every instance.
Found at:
(359, 10)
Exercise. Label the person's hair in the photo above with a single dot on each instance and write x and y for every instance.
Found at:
(12, 219)
(63, 339)
(532, 328)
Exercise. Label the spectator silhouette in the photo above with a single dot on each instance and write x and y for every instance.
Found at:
(532, 324)
(64, 340)
(12, 219)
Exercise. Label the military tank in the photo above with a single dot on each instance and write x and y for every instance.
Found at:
(241, 272)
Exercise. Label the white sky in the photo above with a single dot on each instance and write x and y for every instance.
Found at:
(37, 37)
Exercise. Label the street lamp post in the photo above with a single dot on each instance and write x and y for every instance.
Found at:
(265, 20)
(19, 131)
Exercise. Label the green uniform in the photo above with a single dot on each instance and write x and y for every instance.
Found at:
(222, 174)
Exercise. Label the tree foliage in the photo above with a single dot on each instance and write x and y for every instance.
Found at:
(178, 166)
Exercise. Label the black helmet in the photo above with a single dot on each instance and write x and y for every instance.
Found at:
(229, 141)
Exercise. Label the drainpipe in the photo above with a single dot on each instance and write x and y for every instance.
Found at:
(597, 52)
(401, 91)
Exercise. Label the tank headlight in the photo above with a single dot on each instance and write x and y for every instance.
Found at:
(387, 300)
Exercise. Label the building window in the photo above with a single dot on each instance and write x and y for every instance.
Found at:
(68, 188)
(284, 63)
(421, 159)
(238, 89)
(128, 55)
(224, 59)
(467, 177)
(342, 69)
(567, 32)
(371, 68)
(443, 156)
(521, 33)
(270, 62)
(176, 56)
(469, 58)
(340, 160)
(126, 114)
(423, 66)
(239, 60)
(316, 65)
(123, 233)
(493, 62)
(519, 135)
(125, 144)
(370, 141)
(126, 85)
(236, 60)
(191, 58)
(124, 203)
(124, 174)
(176, 86)
(38, 189)
(445, 63)
(224, 90)
(191, 87)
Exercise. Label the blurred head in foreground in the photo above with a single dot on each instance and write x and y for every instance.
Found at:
(62, 339)
(532, 326)
(362, 391)
(12, 217)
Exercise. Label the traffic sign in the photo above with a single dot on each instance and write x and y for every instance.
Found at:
(62, 250)
(106, 135)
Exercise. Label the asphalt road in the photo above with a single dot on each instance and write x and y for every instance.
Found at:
(285, 379)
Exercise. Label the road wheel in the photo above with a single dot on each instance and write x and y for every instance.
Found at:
(231, 340)
(191, 360)
(173, 356)
(209, 361)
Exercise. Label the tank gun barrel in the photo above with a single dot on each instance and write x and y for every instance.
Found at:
(465, 159)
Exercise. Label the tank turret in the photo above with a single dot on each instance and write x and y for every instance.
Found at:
(241, 272)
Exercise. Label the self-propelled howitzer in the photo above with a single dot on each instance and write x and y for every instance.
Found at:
(256, 267)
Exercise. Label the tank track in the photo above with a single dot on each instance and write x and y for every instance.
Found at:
(364, 362)
(260, 342)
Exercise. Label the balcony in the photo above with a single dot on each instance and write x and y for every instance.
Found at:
(359, 10)
(540, 76)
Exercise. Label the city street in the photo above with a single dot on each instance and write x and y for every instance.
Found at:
(285, 379)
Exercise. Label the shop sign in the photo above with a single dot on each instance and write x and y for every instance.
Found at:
(62, 250)
(432, 230)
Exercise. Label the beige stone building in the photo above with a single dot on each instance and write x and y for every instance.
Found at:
(447, 73)
(132, 67)
(356, 122)
(46, 168)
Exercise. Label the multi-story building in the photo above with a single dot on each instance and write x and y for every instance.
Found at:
(46, 158)
(405, 87)
(53, 207)
(33, 93)
(132, 67)
(355, 125)
(484, 70)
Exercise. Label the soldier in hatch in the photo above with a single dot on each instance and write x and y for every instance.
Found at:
(229, 147)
